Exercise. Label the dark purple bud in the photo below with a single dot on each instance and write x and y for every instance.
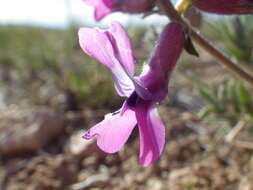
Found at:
(164, 58)
(225, 6)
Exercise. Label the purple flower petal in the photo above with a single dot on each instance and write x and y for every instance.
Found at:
(102, 7)
(225, 6)
(152, 132)
(113, 132)
(155, 82)
(169, 47)
(122, 47)
(140, 6)
(103, 46)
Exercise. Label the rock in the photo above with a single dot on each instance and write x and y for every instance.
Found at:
(44, 172)
(28, 130)
(185, 177)
(93, 181)
(246, 183)
(2, 176)
(211, 173)
(155, 184)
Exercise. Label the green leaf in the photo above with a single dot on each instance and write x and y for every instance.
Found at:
(222, 93)
(189, 47)
(212, 99)
(232, 96)
(244, 98)
(206, 111)
(243, 94)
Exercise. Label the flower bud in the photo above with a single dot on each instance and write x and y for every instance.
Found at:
(163, 60)
(225, 6)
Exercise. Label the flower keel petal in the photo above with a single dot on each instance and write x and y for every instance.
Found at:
(113, 132)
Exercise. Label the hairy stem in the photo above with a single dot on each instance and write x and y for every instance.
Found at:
(170, 11)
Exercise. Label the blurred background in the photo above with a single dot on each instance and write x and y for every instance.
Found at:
(51, 93)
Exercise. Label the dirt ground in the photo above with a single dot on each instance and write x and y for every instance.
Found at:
(39, 154)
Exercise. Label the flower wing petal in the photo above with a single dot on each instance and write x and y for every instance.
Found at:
(123, 49)
(97, 44)
(152, 132)
(113, 132)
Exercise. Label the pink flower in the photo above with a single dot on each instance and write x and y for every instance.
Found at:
(105, 7)
(225, 6)
(112, 48)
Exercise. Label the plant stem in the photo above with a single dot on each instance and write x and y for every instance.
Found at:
(170, 11)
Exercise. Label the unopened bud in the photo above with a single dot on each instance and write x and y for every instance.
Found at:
(163, 60)
(225, 6)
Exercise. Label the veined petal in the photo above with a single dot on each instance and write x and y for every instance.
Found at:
(122, 47)
(101, 46)
(113, 132)
(152, 132)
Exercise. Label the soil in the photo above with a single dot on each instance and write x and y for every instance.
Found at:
(193, 158)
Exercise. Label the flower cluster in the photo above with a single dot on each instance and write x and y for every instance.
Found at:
(105, 7)
(112, 48)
